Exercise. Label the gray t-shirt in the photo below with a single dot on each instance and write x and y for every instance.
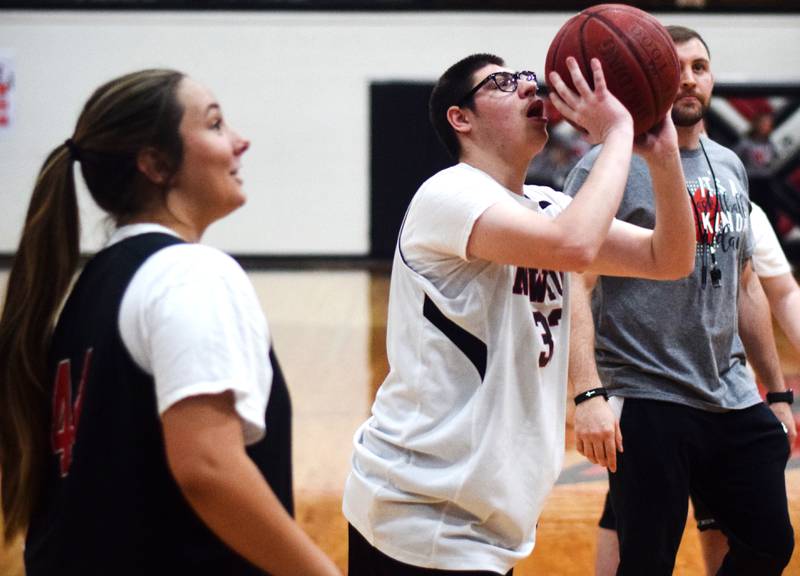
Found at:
(678, 341)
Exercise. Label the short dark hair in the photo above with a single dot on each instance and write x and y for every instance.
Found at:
(681, 34)
(451, 87)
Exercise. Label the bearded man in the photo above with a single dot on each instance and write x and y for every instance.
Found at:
(671, 361)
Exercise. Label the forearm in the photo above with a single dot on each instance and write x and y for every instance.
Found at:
(606, 122)
(673, 240)
(665, 252)
(597, 432)
(597, 201)
(233, 499)
(788, 316)
(755, 330)
(206, 456)
(783, 294)
(583, 374)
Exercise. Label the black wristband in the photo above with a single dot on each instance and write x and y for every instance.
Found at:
(787, 396)
(589, 394)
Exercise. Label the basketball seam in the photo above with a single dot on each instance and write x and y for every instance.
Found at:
(629, 44)
(584, 56)
(558, 41)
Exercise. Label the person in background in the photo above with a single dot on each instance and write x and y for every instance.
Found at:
(684, 414)
(775, 274)
(144, 424)
(756, 150)
(783, 293)
(759, 156)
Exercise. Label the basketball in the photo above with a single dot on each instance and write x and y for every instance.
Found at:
(639, 61)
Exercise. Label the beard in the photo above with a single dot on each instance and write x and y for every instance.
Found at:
(685, 115)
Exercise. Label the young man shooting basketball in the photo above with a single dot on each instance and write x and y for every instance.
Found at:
(466, 436)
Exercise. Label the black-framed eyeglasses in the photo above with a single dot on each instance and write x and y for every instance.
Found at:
(505, 82)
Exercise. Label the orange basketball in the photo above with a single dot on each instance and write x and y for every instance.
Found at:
(639, 61)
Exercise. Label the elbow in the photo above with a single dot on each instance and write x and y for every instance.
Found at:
(195, 475)
(688, 265)
(577, 251)
(581, 256)
(677, 269)
(685, 265)
(683, 268)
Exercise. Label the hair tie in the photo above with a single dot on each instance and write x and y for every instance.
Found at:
(74, 151)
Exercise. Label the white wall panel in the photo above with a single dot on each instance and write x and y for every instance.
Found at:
(297, 85)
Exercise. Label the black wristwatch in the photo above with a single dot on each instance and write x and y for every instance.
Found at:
(787, 397)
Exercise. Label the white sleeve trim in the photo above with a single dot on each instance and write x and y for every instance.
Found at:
(444, 211)
(768, 257)
(253, 427)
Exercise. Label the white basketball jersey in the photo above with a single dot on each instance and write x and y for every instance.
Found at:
(466, 436)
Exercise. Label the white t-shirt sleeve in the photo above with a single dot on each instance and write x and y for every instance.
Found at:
(768, 257)
(190, 318)
(444, 211)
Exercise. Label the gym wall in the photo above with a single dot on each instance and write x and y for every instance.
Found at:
(301, 86)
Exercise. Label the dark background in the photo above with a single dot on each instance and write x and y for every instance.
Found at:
(405, 151)
(416, 5)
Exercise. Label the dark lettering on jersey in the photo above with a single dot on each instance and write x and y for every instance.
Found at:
(66, 413)
(545, 323)
(539, 285)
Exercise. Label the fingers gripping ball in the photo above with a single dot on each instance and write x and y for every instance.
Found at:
(638, 57)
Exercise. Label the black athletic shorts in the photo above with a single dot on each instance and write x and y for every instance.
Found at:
(705, 520)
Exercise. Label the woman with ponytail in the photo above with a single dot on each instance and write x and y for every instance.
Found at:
(144, 420)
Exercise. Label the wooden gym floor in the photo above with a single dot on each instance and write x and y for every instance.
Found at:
(328, 328)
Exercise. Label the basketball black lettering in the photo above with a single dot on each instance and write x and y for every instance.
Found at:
(638, 57)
